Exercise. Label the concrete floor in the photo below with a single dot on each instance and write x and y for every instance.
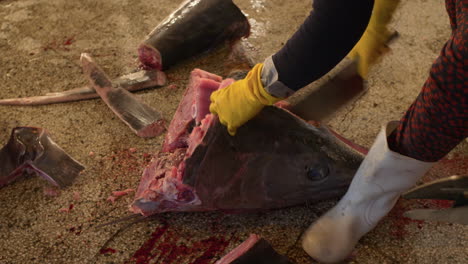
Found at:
(40, 43)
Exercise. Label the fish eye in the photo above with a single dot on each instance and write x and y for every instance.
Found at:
(317, 173)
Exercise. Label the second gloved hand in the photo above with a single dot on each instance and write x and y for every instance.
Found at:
(373, 43)
(241, 101)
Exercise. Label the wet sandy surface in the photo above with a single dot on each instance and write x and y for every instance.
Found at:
(40, 43)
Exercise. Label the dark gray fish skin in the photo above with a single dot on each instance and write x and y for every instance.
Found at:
(132, 82)
(196, 26)
(32, 150)
(141, 118)
(275, 160)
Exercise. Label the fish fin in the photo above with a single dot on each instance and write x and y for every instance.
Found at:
(55, 165)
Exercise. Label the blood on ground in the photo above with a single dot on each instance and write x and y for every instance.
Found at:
(398, 222)
(453, 164)
(105, 251)
(165, 246)
(126, 161)
(59, 45)
(67, 210)
(76, 230)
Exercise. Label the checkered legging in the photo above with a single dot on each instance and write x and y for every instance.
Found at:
(437, 121)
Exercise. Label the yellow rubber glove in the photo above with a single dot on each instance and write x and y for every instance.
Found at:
(241, 101)
(372, 44)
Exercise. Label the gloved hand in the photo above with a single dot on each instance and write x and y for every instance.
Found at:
(241, 101)
(372, 44)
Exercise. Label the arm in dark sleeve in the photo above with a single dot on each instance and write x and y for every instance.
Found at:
(323, 40)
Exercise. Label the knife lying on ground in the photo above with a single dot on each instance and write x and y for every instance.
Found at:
(454, 188)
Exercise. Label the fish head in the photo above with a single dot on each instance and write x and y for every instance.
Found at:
(276, 160)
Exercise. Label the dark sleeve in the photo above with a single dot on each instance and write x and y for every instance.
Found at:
(323, 40)
(437, 121)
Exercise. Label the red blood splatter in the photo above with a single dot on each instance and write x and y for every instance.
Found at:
(61, 45)
(454, 164)
(216, 246)
(399, 222)
(143, 254)
(107, 251)
(69, 41)
(117, 194)
(75, 230)
(126, 161)
(122, 193)
(436, 204)
(165, 246)
(67, 210)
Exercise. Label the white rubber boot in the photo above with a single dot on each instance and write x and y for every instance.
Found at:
(379, 181)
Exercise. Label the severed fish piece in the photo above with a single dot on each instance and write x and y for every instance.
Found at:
(133, 82)
(196, 26)
(275, 160)
(141, 118)
(31, 150)
(254, 250)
